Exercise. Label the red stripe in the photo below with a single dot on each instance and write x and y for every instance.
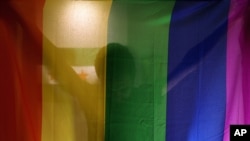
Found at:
(7, 100)
(21, 74)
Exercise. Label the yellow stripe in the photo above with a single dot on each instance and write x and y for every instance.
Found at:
(73, 109)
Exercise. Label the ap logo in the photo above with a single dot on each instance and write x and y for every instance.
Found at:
(239, 132)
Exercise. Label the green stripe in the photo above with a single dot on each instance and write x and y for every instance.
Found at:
(136, 102)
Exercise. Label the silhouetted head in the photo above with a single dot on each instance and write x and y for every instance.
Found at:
(119, 63)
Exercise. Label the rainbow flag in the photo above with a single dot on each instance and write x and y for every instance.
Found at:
(123, 70)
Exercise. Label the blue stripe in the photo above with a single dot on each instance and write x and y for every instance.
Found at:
(196, 101)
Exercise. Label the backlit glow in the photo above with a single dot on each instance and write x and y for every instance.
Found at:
(78, 24)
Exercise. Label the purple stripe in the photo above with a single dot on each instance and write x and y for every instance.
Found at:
(238, 68)
(245, 47)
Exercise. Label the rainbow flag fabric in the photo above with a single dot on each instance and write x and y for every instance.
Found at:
(123, 70)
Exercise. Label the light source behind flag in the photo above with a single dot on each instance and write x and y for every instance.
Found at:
(73, 107)
(53, 69)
